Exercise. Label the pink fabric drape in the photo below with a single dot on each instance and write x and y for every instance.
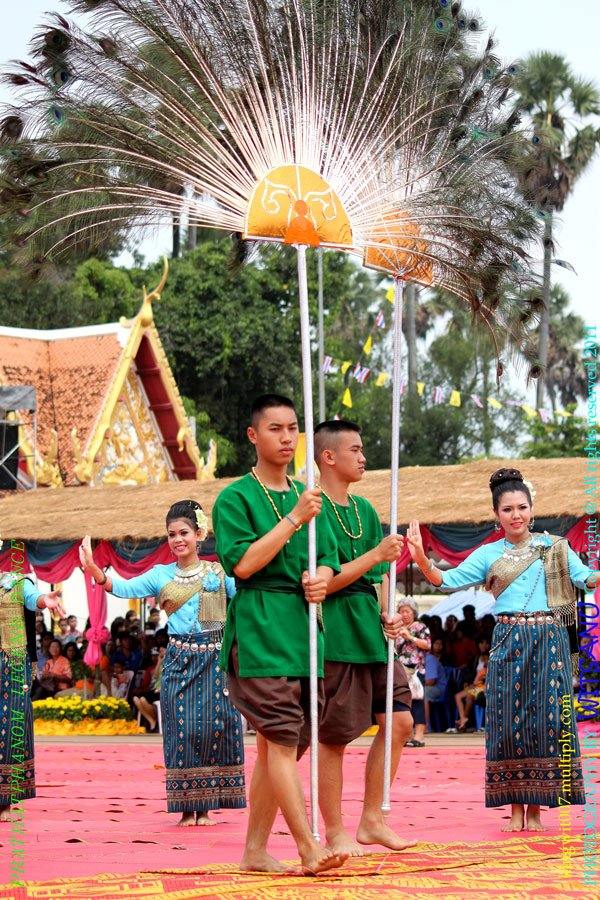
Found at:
(97, 634)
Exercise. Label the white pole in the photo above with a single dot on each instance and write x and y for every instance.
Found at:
(395, 463)
(312, 538)
(321, 337)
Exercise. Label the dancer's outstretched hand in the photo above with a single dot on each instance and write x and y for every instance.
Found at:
(86, 557)
(52, 601)
(415, 542)
(315, 589)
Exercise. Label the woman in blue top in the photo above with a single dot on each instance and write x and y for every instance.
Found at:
(202, 732)
(17, 778)
(529, 689)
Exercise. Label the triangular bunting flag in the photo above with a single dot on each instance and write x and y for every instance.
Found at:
(347, 398)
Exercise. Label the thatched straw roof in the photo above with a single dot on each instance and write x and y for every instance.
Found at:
(435, 494)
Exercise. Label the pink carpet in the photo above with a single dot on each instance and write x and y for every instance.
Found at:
(100, 808)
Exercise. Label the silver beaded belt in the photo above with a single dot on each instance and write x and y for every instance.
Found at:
(536, 619)
(195, 647)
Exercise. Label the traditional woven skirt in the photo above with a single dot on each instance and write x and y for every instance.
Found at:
(202, 732)
(17, 777)
(532, 747)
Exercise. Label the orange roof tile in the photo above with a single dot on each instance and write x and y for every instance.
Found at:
(72, 376)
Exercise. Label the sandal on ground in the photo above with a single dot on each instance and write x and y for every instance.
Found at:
(414, 743)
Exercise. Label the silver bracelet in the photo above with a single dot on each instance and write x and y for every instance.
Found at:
(295, 524)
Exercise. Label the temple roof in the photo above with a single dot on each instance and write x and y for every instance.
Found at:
(79, 374)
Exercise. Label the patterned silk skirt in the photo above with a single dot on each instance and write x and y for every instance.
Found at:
(17, 778)
(202, 732)
(532, 747)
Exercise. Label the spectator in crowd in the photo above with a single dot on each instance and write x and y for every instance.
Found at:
(56, 674)
(63, 631)
(150, 688)
(435, 627)
(120, 681)
(450, 626)
(83, 677)
(117, 625)
(43, 654)
(73, 630)
(468, 624)
(463, 650)
(485, 627)
(153, 620)
(127, 653)
(475, 685)
(436, 678)
(412, 644)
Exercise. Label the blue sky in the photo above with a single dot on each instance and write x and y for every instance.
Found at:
(521, 26)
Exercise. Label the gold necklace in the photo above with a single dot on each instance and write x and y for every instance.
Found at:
(353, 537)
(290, 481)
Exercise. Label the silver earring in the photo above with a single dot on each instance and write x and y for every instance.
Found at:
(531, 524)
(497, 526)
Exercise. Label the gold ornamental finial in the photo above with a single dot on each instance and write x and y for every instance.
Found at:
(146, 315)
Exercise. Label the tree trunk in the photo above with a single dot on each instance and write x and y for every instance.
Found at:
(545, 320)
(192, 237)
(411, 335)
(176, 240)
(486, 437)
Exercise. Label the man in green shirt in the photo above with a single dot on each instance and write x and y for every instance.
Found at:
(261, 536)
(356, 627)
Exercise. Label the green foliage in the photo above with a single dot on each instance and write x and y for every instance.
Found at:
(563, 436)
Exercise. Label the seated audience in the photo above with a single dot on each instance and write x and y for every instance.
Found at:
(436, 678)
(56, 674)
(475, 685)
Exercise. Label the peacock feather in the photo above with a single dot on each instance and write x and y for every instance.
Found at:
(379, 127)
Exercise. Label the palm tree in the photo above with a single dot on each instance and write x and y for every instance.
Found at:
(559, 105)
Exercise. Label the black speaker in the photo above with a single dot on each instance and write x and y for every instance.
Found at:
(9, 447)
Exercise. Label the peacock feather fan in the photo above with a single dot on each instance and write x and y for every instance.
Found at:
(380, 127)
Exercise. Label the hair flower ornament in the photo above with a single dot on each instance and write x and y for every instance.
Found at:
(532, 490)
(202, 522)
(211, 582)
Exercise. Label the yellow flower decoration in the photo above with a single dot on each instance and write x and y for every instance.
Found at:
(202, 522)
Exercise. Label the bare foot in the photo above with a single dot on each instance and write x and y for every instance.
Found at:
(5, 815)
(341, 842)
(204, 819)
(533, 818)
(261, 861)
(318, 859)
(517, 819)
(187, 819)
(380, 833)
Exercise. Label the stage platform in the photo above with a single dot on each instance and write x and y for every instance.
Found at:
(98, 829)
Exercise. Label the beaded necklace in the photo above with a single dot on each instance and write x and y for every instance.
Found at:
(354, 537)
(291, 483)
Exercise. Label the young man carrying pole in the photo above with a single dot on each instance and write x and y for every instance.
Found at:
(356, 628)
(260, 528)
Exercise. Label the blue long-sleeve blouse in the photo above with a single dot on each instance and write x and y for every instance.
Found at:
(473, 570)
(183, 621)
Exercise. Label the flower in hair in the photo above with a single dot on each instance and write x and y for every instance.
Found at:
(531, 488)
(201, 520)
